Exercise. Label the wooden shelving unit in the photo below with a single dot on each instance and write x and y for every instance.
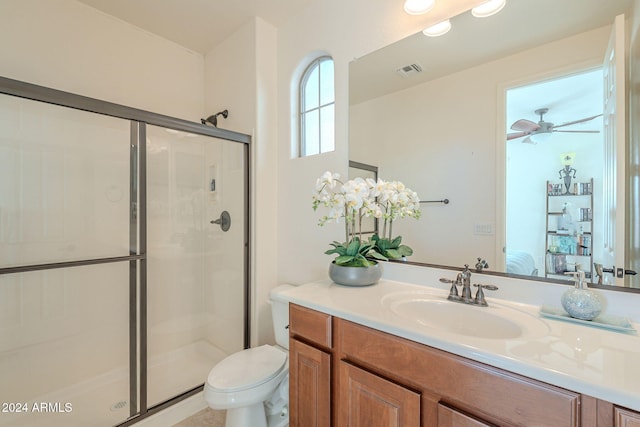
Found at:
(569, 226)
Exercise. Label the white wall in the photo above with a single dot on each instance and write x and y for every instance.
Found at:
(241, 77)
(69, 46)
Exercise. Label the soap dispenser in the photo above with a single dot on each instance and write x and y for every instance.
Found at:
(581, 302)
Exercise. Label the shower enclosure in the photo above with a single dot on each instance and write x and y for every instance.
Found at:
(119, 290)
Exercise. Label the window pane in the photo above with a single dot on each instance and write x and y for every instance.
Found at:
(311, 135)
(326, 82)
(327, 131)
(311, 89)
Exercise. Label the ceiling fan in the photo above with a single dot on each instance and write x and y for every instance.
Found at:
(524, 127)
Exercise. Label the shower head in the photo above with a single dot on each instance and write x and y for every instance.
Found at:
(213, 119)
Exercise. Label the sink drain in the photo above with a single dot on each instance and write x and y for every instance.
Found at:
(119, 405)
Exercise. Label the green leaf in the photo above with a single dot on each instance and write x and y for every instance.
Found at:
(396, 242)
(405, 250)
(365, 248)
(383, 244)
(353, 247)
(340, 250)
(377, 255)
(343, 259)
(393, 254)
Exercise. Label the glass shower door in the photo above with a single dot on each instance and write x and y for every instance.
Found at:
(65, 279)
(196, 270)
(123, 258)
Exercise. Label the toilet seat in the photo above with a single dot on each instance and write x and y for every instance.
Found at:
(247, 369)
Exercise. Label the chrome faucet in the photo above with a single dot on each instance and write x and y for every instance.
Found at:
(464, 279)
(466, 284)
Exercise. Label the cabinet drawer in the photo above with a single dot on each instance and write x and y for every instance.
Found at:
(449, 417)
(486, 392)
(310, 325)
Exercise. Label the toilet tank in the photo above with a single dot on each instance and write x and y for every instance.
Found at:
(280, 314)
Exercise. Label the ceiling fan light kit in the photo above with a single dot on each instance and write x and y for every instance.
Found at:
(537, 138)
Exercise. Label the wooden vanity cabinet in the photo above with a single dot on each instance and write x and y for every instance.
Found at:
(626, 418)
(600, 413)
(309, 367)
(454, 388)
(345, 374)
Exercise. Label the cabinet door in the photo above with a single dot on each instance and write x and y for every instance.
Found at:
(309, 386)
(366, 400)
(449, 417)
(626, 418)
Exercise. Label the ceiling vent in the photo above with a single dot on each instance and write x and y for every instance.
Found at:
(408, 70)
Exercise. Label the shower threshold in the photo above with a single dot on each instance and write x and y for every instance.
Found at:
(104, 399)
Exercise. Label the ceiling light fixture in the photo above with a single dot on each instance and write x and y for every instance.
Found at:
(488, 8)
(541, 137)
(418, 7)
(438, 29)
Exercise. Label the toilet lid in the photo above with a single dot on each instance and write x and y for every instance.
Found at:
(247, 368)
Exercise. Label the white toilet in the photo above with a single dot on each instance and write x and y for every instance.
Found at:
(253, 384)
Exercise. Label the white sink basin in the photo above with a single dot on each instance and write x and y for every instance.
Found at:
(436, 312)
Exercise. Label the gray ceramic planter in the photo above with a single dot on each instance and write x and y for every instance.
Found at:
(355, 276)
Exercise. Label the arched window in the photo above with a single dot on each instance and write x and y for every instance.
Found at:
(317, 112)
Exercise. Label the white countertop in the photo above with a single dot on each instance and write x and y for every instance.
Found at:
(600, 363)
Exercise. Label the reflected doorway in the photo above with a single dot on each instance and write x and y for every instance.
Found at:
(554, 175)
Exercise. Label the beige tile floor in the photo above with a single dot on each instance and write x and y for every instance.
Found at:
(205, 418)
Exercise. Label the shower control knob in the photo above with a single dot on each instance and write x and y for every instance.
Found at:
(224, 221)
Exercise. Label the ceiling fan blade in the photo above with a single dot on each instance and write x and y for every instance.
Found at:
(578, 121)
(525, 125)
(577, 131)
(516, 135)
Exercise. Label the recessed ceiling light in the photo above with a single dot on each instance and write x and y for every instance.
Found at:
(488, 8)
(438, 29)
(418, 7)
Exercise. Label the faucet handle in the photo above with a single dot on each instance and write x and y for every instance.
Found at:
(479, 299)
(481, 264)
(453, 291)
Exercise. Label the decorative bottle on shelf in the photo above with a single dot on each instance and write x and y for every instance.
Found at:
(564, 220)
(581, 302)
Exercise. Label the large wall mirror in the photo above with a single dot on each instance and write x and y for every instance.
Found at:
(525, 123)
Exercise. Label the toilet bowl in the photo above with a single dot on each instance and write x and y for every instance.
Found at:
(252, 385)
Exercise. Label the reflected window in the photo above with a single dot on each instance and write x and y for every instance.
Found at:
(316, 118)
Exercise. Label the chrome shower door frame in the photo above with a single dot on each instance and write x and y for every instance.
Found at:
(137, 257)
